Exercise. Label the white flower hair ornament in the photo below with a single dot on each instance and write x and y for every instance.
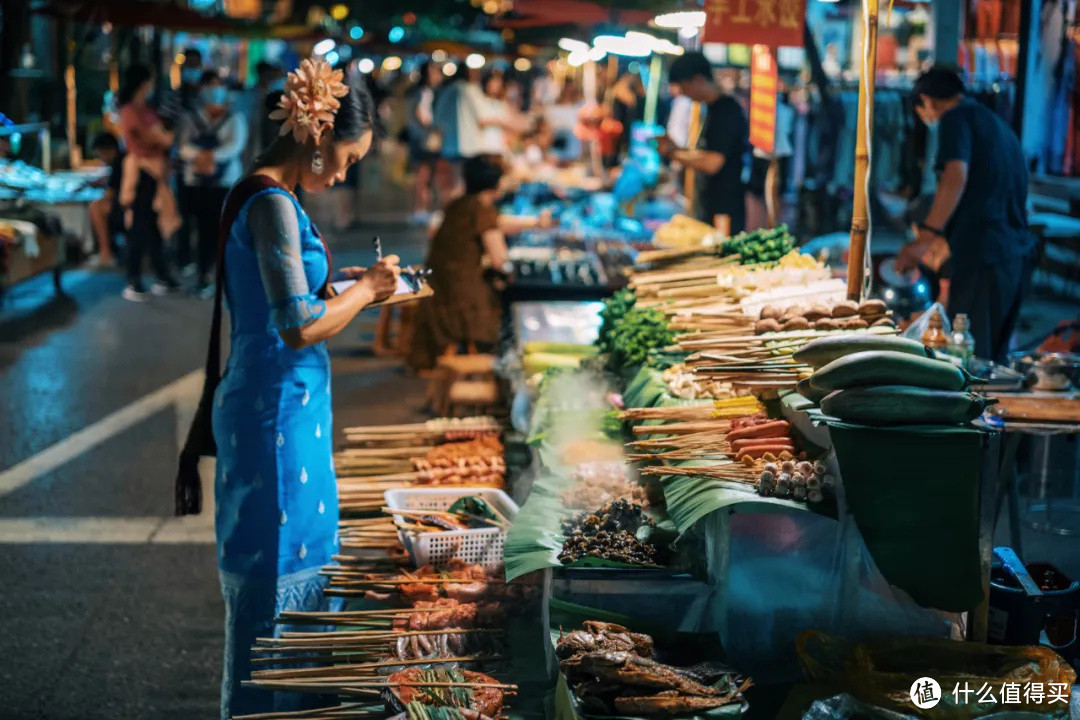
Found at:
(310, 100)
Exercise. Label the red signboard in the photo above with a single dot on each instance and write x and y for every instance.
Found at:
(763, 86)
(774, 23)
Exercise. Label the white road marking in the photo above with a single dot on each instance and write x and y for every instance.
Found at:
(183, 396)
(105, 530)
(91, 436)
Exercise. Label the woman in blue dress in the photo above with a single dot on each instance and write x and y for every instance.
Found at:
(275, 490)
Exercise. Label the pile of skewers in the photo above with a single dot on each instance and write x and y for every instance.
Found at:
(450, 451)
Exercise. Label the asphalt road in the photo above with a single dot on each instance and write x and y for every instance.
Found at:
(109, 608)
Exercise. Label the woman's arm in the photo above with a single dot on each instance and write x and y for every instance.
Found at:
(301, 318)
(235, 140)
(494, 243)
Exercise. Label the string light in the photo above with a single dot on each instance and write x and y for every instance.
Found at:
(324, 46)
(396, 34)
(475, 61)
(439, 56)
(689, 18)
(449, 69)
(339, 12)
(366, 65)
(570, 45)
(391, 63)
(522, 65)
(356, 32)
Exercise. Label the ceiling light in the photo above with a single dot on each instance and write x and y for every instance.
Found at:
(449, 69)
(475, 61)
(624, 45)
(570, 45)
(689, 18)
(391, 63)
(522, 65)
(689, 32)
(596, 54)
(324, 46)
(439, 56)
(578, 58)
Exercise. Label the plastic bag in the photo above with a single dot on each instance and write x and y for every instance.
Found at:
(916, 329)
(882, 672)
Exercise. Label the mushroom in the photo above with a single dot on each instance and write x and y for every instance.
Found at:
(845, 308)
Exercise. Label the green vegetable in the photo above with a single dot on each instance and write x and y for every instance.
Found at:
(615, 308)
(903, 405)
(886, 367)
(805, 388)
(554, 348)
(638, 332)
(822, 351)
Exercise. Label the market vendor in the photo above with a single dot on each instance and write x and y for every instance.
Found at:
(979, 208)
(467, 255)
(716, 154)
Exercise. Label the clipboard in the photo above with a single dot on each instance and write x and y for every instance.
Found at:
(410, 287)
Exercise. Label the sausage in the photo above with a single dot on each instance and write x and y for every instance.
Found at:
(776, 428)
(762, 442)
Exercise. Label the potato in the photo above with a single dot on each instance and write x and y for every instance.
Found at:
(817, 311)
(872, 308)
(796, 323)
(766, 326)
(845, 308)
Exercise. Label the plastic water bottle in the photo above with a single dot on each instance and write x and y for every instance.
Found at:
(961, 344)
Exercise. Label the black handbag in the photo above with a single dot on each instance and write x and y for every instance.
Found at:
(200, 437)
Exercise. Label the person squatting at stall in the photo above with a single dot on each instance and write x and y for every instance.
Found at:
(275, 490)
(210, 144)
(979, 207)
(150, 213)
(717, 153)
(466, 256)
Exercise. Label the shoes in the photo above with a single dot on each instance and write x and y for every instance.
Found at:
(164, 287)
(134, 294)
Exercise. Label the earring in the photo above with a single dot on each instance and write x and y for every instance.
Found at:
(316, 162)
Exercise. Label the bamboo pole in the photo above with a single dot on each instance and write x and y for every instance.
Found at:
(860, 220)
(689, 179)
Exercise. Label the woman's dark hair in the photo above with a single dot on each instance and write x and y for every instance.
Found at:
(940, 82)
(423, 81)
(209, 76)
(356, 116)
(134, 78)
(482, 173)
(489, 76)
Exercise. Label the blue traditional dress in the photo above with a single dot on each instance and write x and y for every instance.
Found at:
(275, 490)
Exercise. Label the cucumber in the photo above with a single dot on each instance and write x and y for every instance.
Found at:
(885, 367)
(822, 351)
(808, 391)
(904, 405)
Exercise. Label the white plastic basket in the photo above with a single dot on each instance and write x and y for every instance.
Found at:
(482, 546)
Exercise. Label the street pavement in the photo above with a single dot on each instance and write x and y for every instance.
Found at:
(110, 607)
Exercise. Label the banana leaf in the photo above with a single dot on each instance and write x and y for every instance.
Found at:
(691, 498)
(645, 389)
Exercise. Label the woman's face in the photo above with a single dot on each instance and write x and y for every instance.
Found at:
(494, 86)
(338, 157)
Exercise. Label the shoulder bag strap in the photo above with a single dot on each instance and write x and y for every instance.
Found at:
(200, 437)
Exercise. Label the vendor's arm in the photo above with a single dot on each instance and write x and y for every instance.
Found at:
(514, 224)
(953, 158)
(299, 316)
(705, 161)
(494, 243)
(186, 150)
(951, 186)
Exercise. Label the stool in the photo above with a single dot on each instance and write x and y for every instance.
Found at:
(394, 331)
(451, 370)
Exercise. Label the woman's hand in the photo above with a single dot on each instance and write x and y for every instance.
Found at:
(381, 278)
(351, 273)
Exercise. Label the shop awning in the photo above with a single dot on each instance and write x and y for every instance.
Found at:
(542, 13)
(136, 13)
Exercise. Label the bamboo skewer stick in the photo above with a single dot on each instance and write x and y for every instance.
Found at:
(353, 710)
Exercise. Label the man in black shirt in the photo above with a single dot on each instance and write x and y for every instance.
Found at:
(717, 153)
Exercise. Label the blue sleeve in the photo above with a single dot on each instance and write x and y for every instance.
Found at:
(954, 139)
(274, 227)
